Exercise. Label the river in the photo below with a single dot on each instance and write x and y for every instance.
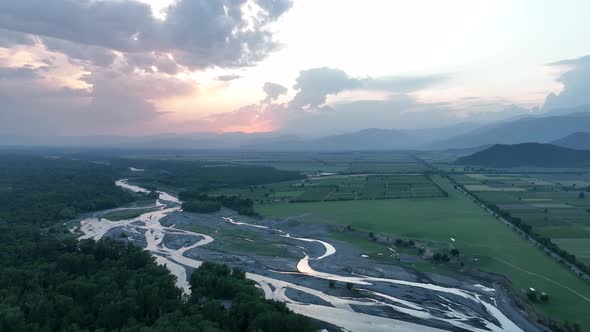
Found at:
(340, 311)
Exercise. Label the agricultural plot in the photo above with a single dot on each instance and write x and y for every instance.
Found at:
(341, 188)
(556, 206)
(315, 163)
(581, 246)
(385, 167)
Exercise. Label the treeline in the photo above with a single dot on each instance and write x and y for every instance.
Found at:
(202, 203)
(44, 190)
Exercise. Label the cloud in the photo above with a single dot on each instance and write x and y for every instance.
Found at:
(196, 33)
(308, 113)
(10, 38)
(248, 119)
(123, 57)
(16, 73)
(115, 102)
(576, 85)
(228, 78)
(315, 84)
(94, 55)
(152, 62)
(272, 91)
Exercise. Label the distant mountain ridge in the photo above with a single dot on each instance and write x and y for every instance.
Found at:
(541, 129)
(527, 154)
(366, 139)
(579, 141)
(469, 137)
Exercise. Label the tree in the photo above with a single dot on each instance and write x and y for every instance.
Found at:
(454, 252)
(581, 195)
(532, 294)
(332, 283)
(349, 285)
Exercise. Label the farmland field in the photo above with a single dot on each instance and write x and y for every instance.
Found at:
(341, 187)
(555, 205)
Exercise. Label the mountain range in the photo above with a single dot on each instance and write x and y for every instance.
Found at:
(541, 129)
(580, 141)
(567, 130)
(527, 154)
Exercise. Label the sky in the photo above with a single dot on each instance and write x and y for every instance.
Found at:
(312, 68)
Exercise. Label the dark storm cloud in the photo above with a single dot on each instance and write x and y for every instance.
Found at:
(198, 33)
(576, 85)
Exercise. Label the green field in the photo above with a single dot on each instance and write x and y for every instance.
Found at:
(477, 234)
(549, 203)
(341, 187)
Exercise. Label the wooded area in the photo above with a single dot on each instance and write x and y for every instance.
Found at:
(49, 281)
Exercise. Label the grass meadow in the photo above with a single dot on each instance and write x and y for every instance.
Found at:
(497, 248)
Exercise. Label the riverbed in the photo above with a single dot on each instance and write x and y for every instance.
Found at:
(383, 298)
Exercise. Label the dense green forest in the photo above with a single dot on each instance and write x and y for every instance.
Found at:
(206, 176)
(45, 190)
(49, 281)
(201, 203)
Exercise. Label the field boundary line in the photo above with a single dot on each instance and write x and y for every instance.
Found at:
(542, 277)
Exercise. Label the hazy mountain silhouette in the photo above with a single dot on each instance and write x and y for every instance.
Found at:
(529, 129)
(579, 141)
(527, 154)
(367, 139)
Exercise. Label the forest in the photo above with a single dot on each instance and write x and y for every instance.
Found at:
(201, 203)
(43, 191)
(50, 281)
(204, 176)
